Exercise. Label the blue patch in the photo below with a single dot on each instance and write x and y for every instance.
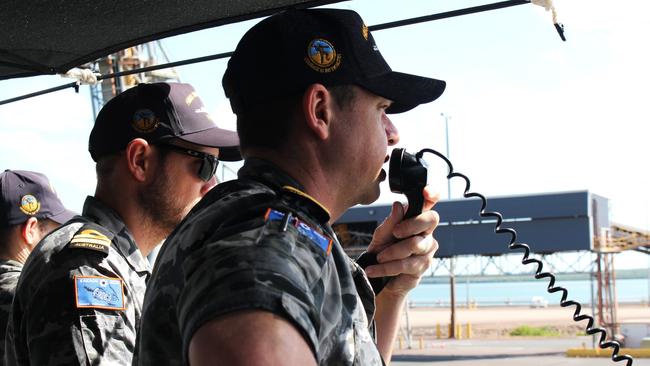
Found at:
(273, 215)
(323, 242)
(316, 237)
(99, 292)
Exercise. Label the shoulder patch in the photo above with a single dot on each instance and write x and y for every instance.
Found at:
(321, 240)
(99, 292)
(89, 237)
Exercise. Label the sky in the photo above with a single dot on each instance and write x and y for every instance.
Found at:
(526, 112)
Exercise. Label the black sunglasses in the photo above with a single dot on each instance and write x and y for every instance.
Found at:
(209, 162)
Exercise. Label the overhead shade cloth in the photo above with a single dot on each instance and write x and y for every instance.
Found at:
(53, 36)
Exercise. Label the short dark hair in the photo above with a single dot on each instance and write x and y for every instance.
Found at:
(268, 124)
(7, 232)
(5, 235)
(106, 164)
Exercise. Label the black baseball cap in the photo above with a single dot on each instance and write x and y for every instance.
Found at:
(157, 112)
(28, 194)
(283, 54)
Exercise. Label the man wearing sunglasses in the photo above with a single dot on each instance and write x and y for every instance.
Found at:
(79, 299)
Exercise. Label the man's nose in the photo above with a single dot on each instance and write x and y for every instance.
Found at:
(391, 131)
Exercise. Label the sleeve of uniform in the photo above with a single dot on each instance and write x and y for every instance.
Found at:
(59, 332)
(275, 267)
(76, 316)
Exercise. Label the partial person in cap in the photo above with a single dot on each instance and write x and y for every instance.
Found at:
(29, 210)
(255, 274)
(79, 298)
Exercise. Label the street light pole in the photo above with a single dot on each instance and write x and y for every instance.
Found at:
(452, 276)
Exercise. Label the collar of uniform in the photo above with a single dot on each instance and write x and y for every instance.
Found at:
(268, 173)
(106, 217)
(10, 265)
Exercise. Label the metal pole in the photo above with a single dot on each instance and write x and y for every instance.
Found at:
(601, 315)
(452, 285)
(409, 343)
(593, 300)
(615, 327)
(452, 278)
(447, 118)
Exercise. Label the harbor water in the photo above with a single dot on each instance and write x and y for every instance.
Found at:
(523, 293)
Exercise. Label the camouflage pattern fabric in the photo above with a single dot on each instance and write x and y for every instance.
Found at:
(9, 273)
(238, 249)
(68, 309)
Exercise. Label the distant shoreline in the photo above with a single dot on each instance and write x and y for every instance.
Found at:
(621, 274)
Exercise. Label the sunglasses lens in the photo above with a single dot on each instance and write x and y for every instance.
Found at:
(208, 168)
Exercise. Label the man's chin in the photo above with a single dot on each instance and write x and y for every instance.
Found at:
(371, 196)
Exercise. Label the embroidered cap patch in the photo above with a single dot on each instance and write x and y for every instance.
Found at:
(29, 205)
(99, 292)
(322, 56)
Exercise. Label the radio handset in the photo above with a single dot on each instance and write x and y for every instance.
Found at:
(407, 174)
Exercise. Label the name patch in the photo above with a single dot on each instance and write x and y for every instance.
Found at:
(99, 292)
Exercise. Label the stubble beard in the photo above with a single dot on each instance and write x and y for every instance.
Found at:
(161, 206)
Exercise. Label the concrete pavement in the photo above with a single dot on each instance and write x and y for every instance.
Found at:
(503, 352)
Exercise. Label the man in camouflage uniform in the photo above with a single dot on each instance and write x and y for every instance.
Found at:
(255, 274)
(29, 210)
(79, 299)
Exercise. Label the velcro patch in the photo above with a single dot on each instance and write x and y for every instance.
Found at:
(91, 239)
(99, 292)
(305, 229)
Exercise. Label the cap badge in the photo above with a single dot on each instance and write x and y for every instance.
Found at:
(29, 205)
(144, 121)
(322, 57)
(364, 32)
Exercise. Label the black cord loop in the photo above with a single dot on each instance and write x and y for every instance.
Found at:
(539, 274)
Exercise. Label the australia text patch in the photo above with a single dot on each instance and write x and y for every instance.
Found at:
(90, 239)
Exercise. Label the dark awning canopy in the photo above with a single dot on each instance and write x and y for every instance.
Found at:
(49, 36)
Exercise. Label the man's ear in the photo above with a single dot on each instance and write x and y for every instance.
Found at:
(139, 157)
(30, 231)
(316, 106)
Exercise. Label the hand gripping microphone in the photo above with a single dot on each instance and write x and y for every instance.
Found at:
(407, 174)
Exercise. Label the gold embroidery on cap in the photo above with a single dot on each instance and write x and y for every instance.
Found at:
(364, 32)
(322, 57)
(29, 205)
(190, 98)
(144, 121)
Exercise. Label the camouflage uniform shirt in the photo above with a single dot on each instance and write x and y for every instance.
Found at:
(9, 273)
(260, 243)
(79, 298)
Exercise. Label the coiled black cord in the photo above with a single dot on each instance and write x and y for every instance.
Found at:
(513, 245)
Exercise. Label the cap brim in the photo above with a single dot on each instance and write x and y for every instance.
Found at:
(230, 153)
(225, 140)
(63, 217)
(405, 90)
